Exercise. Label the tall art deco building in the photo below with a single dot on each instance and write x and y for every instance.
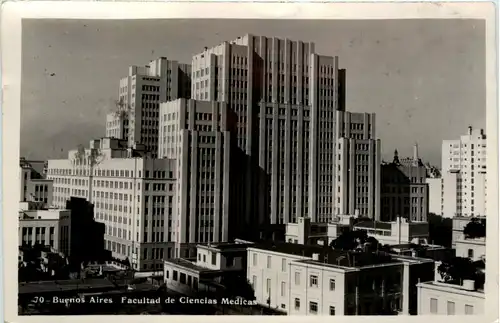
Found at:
(285, 96)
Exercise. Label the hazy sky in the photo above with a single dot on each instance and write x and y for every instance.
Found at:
(425, 79)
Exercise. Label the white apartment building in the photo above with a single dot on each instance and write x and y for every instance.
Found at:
(140, 95)
(313, 280)
(288, 92)
(464, 175)
(357, 180)
(132, 195)
(440, 298)
(201, 135)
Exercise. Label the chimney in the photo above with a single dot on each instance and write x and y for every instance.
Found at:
(469, 130)
(315, 256)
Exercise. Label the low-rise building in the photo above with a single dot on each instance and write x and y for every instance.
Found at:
(475, 249)
(449, 299)
(458, 225)
(317, 280)
(307, 232)
(214, 265)
(396, 232)
(50, 227)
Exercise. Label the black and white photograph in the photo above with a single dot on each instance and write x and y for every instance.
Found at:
(230, 166)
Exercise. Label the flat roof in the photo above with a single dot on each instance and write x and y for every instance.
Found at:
(226, 245)
(374, 225)
(327, 255)
(451, 288)
(186, 264)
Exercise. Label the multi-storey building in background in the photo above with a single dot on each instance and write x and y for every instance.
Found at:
(133, 196)
(464, 175)
(140, 94)
(201, 136)
(404, 189)
(357, 181)
(285, 96)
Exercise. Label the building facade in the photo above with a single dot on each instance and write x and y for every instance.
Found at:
(133, 195)
(314, 280)
(437, 298)
(405, 192)
(140, 95)
(34, 186)
(285, 92)
(357, 178)
(464, 166)
(46, 228)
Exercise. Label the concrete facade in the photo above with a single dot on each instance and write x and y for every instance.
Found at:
(309, 280)
(46, 228)
(133, 196)
(286, 92)
(475, 249)
(140, 95)
(447, 299)
(465, 157)
(201, 135)
(435, 188)
(34, 186)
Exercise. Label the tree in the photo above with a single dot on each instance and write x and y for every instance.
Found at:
(440, 230)
(355, 239)
(475, 229)
(459, 269)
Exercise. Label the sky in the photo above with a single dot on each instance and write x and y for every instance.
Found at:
(424, 79)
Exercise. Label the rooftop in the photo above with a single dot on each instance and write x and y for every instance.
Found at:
(327, 255)
(374, 225)
(452, 288)
(226, 245)
(186, 264)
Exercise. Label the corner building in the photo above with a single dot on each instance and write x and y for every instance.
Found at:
(285, 97)
(133, 196)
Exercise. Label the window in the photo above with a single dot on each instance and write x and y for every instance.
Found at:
(332, 284)
(214, 258)
(254, 281)
(283, 306)
(332, 310)
(297, 278)
(313, 307)
(434, 305)
(469, 309)
(283, 288)
(174, 276)
(283, 265)
(470, 253)
(255, 259)
(268, 286)
(313, 281)
(182, 280)
(297, 303)
(450, 310)
(268, 262)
